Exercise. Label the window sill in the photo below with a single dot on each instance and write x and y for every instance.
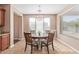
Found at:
(73, 35)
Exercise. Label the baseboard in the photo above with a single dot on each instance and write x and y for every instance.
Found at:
(68, 46)
(12, 46)
(18, 38)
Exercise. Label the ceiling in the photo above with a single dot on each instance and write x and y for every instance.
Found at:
(74, 10)
(45, 8)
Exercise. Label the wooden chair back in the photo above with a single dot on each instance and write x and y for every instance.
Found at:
(50, 37)
(28, 38)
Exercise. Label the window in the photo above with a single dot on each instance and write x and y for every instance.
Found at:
(32, 23)
(70, 25)
(41, 24)
(47, 23)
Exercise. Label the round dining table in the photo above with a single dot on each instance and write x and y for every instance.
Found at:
(39, 39)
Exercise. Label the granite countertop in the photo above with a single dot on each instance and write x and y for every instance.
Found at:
(5, 33)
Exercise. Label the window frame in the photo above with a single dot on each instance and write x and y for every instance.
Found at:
(66, 34)
(43, 21)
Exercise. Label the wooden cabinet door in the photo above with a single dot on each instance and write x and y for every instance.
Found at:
(0, 43)
(2, 17)
(5, 41)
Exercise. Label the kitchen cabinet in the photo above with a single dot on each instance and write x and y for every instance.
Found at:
(2, 17)
(4, 41)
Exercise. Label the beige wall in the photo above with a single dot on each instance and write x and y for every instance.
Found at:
(26, 22)
(53, 22)
(69, 41)
(17, 27)
(21, 34)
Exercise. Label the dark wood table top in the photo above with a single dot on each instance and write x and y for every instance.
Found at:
(39, 37)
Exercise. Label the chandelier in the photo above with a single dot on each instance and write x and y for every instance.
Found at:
(39, 17)
(39, 9)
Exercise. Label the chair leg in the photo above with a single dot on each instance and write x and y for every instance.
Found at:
(25, 47)
(31, 49)
(48, 49)
(37, 47)
(41, 46)
(53, 46)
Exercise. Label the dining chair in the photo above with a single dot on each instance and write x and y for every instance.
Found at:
(48, 41)
(30, 41)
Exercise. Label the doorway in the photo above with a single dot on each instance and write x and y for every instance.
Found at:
(17, 28)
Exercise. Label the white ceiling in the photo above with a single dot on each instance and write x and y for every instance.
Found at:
(74, 11)
(45, 8)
